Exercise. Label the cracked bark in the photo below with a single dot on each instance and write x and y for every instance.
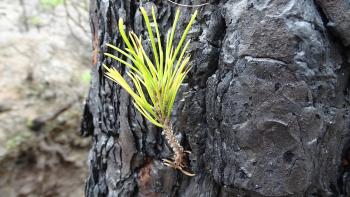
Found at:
(264, 111)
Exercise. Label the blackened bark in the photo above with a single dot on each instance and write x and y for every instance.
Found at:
(265, 109)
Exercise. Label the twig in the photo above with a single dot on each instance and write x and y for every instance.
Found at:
(39, 122)
(24, 13)
(74, 21)
(183, 5)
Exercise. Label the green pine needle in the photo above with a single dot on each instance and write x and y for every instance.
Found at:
(156, 82)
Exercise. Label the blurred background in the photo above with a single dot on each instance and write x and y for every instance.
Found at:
(44, 77)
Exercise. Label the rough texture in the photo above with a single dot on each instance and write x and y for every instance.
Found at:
(264, 109)
(338, 18)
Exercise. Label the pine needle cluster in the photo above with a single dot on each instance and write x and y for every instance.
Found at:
(156, 80)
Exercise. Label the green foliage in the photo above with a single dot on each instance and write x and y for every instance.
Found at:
(86, 77)
(16, 140)
(50, 3)
(35, 20)
(29, 123)
(157, 82)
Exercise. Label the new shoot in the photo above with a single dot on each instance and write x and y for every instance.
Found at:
(156, 79)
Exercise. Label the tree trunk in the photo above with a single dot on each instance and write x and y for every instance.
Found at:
(264, 111)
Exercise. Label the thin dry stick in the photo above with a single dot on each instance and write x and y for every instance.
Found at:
(192, 6)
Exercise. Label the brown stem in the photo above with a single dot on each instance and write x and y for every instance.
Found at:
(174, 144)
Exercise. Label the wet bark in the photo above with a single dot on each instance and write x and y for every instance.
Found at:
(264, 111)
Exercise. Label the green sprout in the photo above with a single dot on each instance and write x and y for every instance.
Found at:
(157, 82)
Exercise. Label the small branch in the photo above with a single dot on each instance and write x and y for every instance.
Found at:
(39, 122)
(179, 159)
(174, 144)
(191, 6)
(24, 15)
(77, 22)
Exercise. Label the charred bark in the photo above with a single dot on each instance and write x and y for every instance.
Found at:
(264, 111)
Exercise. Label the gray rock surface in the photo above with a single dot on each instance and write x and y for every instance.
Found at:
(337, 16)
(264, 109)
